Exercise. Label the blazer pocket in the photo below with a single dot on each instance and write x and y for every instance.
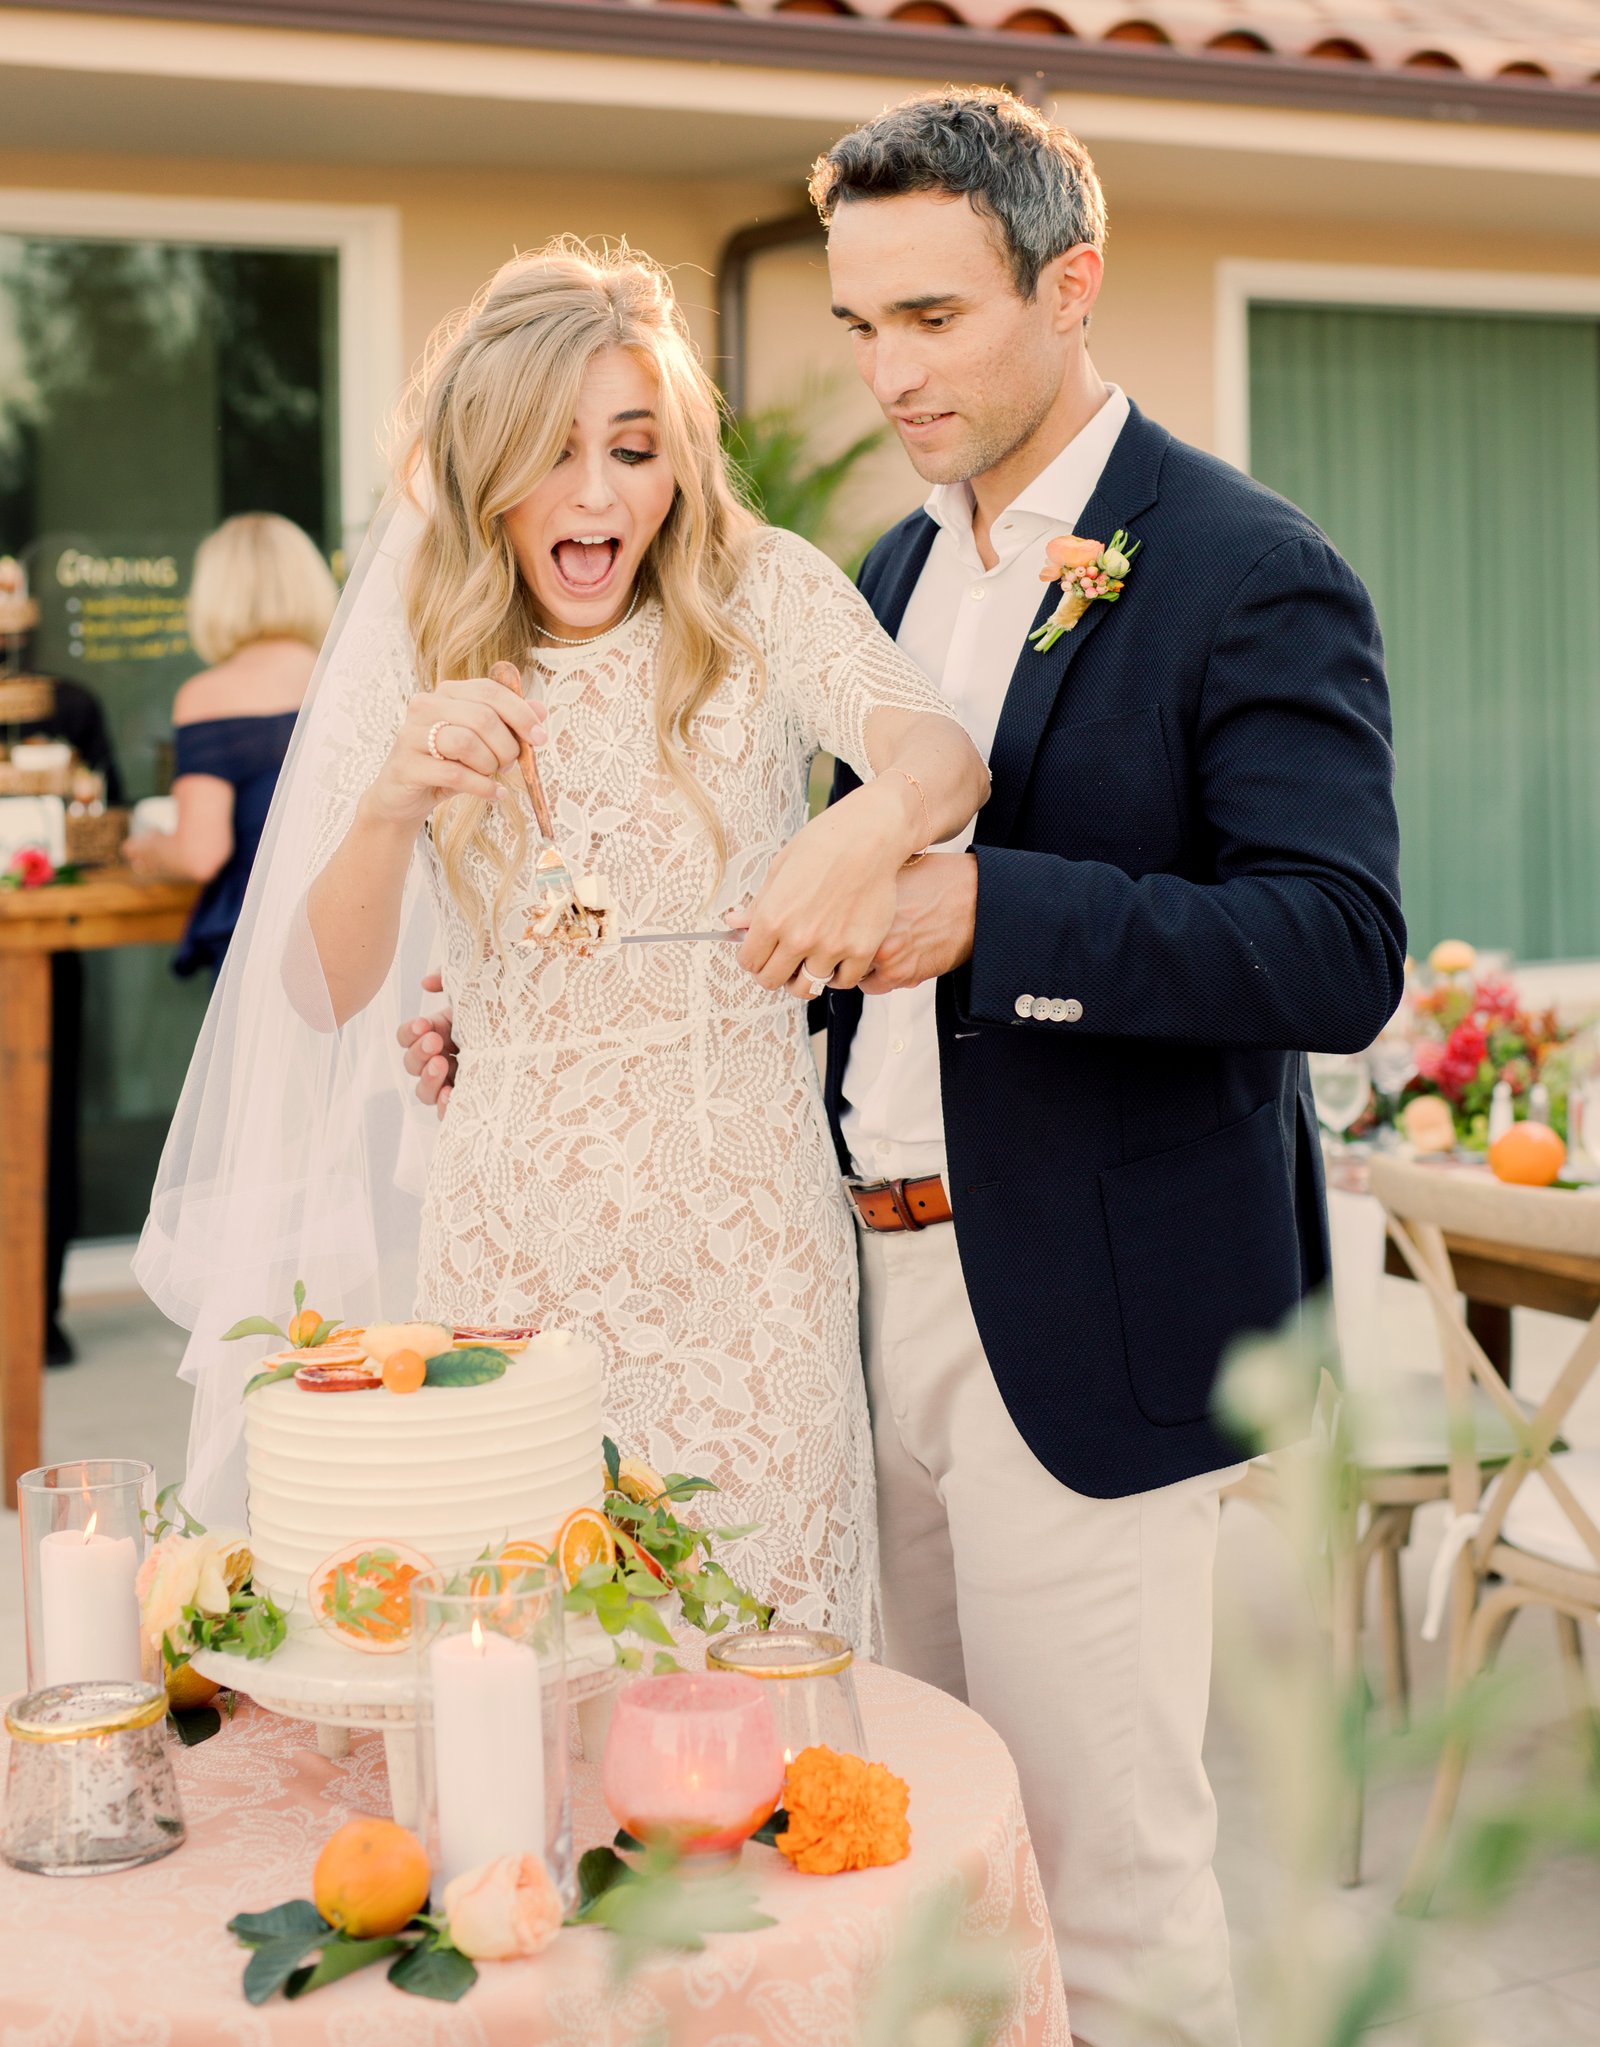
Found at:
(1203, 1248)
(1105, 789)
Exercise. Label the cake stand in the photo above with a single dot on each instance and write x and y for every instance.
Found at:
(337, 1689)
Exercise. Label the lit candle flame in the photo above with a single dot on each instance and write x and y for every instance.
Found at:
(88, 1533)
(788, 1757)
(477, 1635)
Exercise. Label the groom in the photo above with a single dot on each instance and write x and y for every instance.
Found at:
(1072, 1109)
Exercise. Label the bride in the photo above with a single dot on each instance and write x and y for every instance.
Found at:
(635, 1144)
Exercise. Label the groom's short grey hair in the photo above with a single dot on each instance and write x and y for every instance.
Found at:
(1035, 181)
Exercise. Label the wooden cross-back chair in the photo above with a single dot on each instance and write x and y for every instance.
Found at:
(1531, 1535)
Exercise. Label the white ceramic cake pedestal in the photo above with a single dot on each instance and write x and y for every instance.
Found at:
(337, 1689)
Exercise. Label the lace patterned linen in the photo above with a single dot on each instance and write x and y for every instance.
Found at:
(636, 1144)
(145, 1958)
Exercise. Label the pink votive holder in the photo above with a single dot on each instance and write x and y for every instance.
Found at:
(693, 1762)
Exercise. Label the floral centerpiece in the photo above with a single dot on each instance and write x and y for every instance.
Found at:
(1469, 1030)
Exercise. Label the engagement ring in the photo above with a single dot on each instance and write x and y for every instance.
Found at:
(434, 730)
(814, 987)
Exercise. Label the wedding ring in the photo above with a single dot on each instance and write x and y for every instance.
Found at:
(814, 987)
(434, 730)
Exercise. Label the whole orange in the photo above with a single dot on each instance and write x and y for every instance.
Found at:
(186, 1689)
(1528, 1155)
(304, 1326)
(370, 1878)
(404, 1371)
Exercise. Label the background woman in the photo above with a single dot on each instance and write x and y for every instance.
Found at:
(259, 605)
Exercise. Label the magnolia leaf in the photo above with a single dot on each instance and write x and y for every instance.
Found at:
(322, 1332)
(274, 1962)
(624, 1840)
(441, 1972)
(268, 1378)
(472, 1365)
(678, 1487)
(341, 1956)
(656, 1908)
(598, 1870)
(195, 1725)
(613, 1462)
(778, 1824)
(253, 1325)
(298, 1916)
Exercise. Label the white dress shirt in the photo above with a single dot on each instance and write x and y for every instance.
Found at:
(964, 627)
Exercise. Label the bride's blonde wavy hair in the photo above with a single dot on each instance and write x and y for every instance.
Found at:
(489, 415)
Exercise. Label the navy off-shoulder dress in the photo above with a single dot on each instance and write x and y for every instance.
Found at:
(248, 752)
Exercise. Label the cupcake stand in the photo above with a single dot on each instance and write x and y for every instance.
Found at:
(337, 1689)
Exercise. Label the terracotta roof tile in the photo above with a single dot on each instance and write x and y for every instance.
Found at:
(1557, 40)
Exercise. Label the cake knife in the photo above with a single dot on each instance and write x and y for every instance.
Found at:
(673, 937)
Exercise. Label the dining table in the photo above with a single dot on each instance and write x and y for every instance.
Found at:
(145, 1956)
(109, 906)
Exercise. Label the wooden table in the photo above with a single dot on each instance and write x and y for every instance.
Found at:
(111, 907)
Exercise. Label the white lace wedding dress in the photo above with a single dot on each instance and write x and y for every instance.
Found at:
(636, 1144)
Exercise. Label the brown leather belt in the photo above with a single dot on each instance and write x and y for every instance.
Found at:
(902, 1204)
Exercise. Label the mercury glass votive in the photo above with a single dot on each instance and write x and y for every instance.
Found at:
(693, 1762)
(806, 1672)
(83, 1540)
(89, 1786)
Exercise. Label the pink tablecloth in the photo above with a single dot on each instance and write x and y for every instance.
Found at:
(143, 1960)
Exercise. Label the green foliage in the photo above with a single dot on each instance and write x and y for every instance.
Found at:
(649, 1905)
(253, 1627)
(253, 1325)
(940, 1982)
(271, 1378)
(786, 483)
(425, 1961)
(472, 1365)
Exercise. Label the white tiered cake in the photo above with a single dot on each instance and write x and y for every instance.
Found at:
(450, 1471)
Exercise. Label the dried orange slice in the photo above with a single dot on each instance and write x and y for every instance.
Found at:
(510, 1340)
(340, 1378)
(639, 1482)
(636, 1557)
(501, 1570)
(586, 1537)
(362, 1595)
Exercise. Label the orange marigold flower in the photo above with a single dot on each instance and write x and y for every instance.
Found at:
(844, 1813)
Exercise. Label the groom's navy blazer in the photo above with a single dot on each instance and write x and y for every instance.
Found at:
(1187, 878)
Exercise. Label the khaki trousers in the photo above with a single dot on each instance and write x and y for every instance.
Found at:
(1080, 1629)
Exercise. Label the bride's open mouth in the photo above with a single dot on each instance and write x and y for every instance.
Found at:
(586, 564)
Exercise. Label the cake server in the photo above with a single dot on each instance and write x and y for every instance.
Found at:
(673, 937)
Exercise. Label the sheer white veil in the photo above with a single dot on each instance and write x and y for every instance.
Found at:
(298, 1150)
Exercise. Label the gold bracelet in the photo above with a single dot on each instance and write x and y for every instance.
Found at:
(927, 815)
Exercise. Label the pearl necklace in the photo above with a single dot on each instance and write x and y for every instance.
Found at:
(590, 639)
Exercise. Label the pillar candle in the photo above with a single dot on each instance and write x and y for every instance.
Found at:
(91, 1613)
(488, 1750)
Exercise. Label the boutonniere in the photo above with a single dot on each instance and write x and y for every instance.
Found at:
(1088, 574)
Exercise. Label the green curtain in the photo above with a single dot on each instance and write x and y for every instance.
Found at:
(1454, 459)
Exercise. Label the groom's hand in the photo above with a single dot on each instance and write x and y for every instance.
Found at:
(935, 917)
(430, 1050)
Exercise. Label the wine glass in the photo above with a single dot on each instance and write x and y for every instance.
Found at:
(1341, 1084)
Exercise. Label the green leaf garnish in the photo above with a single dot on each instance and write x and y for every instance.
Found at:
(253, 1325)
(434, 1970)
(472, 1365)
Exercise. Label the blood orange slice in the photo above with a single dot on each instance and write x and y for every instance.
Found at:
(362, 1595)
(636, 1557)
(586, 1537)
(510, 1340)
(354, 1377)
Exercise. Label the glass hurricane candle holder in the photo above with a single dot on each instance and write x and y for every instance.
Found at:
(693, 1762)
(83, 1540)
(490, 1650)
(807, 1675)
(89, 1784)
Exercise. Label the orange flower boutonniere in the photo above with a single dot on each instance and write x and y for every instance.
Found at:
(1088, 574)
(843, 1814)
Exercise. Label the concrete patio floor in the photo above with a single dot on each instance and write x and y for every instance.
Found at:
(1529, 1978)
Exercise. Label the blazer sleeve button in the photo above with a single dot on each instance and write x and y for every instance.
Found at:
(1071, 1009)
(1024, 1005)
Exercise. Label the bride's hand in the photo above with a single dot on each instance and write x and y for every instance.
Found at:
(830, 897)
(477, 727)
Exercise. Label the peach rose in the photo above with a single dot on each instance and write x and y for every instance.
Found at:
(1068, 551)
(508, 1907)
(203, 1571)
